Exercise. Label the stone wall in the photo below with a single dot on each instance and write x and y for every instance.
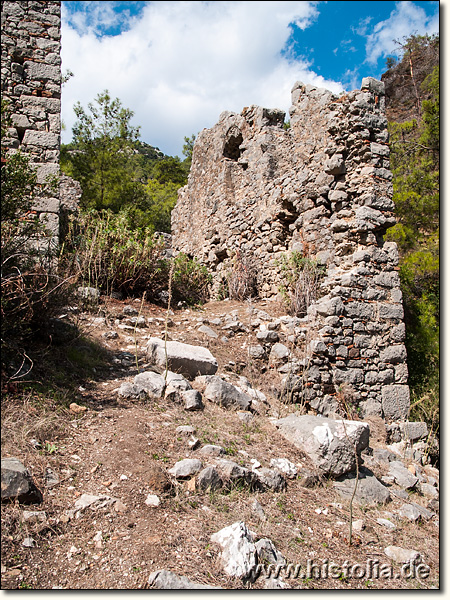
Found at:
(31, 82)
(321, 187)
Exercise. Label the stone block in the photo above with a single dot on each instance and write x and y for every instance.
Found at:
(393, 354)
(395, 402)
(328, 442)
(41, 139)
(188, 360)
(413, 430)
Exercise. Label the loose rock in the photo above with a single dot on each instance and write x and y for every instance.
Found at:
(328, 442)
(238, 557)
(17, 483)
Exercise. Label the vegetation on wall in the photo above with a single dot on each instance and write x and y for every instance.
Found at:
(301, 278)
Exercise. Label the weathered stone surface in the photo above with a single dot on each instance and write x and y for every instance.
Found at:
(259, 193)
(402, 555)
(285, 466)
(328, 442)
(209, 479)
(383, 455)
(188, 360)
(279, 353)
(368, 490)
(212, 450)
(225, 394)
(186, 468)
(413, 430)
(268, 554)
(17, 483)
(257, 352)
(429, 490)
(151, 383)
(166, 580)
(131, 390)
(192, 400)
(386, 523)
(208, 331)
(395, 402)
(271, 479)
(410, 512)
(267, 336)
(238, 556)
(152, 500)
(233, 473)
(402, 476)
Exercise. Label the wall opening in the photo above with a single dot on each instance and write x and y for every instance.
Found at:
(232, 144)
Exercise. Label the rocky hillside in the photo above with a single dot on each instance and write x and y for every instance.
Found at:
(402, 90)
(202, 478)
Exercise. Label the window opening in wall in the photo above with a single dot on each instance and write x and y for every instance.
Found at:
(231, 148)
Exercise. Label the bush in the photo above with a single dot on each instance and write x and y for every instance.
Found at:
(111, 256)
(241, 279)
(301, 277)
(32, 288)
(190, 281)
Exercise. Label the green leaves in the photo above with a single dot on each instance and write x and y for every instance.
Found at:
(117, 171)
(102, 156)
(415, 165)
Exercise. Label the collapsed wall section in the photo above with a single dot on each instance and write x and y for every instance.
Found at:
(31, 83)
(321, 187)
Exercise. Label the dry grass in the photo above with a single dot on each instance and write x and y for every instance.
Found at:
(117, 437)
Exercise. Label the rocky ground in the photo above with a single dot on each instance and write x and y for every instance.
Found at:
(117, 505)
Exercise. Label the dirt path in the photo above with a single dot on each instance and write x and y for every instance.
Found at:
(120, 450)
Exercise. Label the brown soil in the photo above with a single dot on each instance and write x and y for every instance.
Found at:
(113, 447)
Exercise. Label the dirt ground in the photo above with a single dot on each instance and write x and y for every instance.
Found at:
(115, 446)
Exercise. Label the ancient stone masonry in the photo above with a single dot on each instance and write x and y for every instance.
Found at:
(31, 82)
(321, 187)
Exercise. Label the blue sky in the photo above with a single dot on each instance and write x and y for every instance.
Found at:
(178, 65)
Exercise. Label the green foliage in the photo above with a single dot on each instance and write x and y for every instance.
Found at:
(18, 179)
(112, 256)
(415, 166)
(117, 171)
(170, 169)
(188, 148)
(301, 278)
(391, 61)
(191, 280)
(102, 157)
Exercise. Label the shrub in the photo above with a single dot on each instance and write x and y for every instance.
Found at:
(110, 255)
(32, 287)
(301, 278)
(242, 277)
(191, 280)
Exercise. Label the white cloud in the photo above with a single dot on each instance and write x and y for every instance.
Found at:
(407, 18)
(180, 64)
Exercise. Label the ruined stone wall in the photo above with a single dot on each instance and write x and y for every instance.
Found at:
(321, 187)
(31, 82)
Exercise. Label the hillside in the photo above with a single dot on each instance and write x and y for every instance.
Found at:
(115, 512)
(402, 90)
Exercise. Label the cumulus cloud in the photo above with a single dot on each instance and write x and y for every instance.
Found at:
(180, 64)
(407, 18)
